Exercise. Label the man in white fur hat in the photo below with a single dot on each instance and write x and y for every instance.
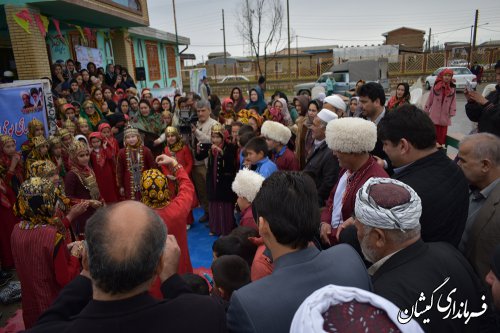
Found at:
(321, 164)
(409, 272)
(351, 140)
(277, 136)
(246, 185)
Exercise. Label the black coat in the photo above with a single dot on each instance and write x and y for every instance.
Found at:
(323, 166)
(181, 311)
(219, 187)
(444, 191)
(423, 267)
(488, 116)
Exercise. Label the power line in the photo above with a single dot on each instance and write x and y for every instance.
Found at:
(342, 40)
(488, 29)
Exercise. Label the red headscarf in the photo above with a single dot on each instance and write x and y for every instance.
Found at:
(441, 85)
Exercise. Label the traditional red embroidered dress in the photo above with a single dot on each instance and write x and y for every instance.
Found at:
(140, 158)
(44, 267)
(103, 164)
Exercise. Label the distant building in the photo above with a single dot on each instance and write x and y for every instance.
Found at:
(218, 55)
(113, 31)
(408, 39)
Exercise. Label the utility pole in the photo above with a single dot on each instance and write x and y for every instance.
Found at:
(429, 40)
(224, 37)
(297, 55)
(473, 37)
(289, 56)
(176, 35)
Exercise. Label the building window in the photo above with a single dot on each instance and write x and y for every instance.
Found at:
(130, 4)
(153, 61)
(171, 61)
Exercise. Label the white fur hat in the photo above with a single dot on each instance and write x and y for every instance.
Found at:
(276, 131)
(351, 135)
(336, 101)
(247, 184)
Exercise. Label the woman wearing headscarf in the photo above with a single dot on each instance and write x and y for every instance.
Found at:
(40, 152)
(256, 101)
(215, 105)
(35, 128)
(91, 115)
(11, 178)
(173, 210)
(279, 112)
(441, 104)
(81, 185)
(97, 98)
(401, 97)
(150, 125)
(239, 102)
(43, 262)
(221, 170)
(227, 114)
(304, 140)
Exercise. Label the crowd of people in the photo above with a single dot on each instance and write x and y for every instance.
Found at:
(334, 213)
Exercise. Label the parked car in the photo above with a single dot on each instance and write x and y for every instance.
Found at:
(460, 74)
(344, 76)
(234, 78)
(458, 63)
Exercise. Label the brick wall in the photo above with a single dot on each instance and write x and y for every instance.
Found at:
(30, 52)
(122, 50)
(409, 38)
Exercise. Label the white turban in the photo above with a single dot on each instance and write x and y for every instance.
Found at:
(309, 316)
(405, 216)
(336, 102)
(327, 115)
(276, 131)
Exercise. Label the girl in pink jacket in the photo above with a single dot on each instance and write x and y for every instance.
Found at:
(441, 104)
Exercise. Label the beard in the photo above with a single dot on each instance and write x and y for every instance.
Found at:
(369, 252)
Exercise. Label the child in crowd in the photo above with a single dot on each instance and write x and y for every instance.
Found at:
(35, 129)
(221, 171)
(246, 185)
(277, 136)
(66, 141)
(83, 127)
(70, 126)
(104, 166)
(109, 138)
(230, 273)
(39, 152)
(256, 157)
(55, 152)
(132, 160)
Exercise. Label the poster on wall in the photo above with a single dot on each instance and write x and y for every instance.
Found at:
(164, 92)
(87, 54)
(195, 76)
(22, 101)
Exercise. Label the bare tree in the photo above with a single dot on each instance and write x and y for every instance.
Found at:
(260, 24)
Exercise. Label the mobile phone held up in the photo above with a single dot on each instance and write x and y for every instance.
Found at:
(468, 85)
(205, 146)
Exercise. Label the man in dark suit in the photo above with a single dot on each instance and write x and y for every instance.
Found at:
(321, 163)
(479, 159)
(409, 139)
(127, 249)
(288, 219)
(431, 282)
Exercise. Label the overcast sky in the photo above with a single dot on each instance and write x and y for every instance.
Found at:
(328, 22)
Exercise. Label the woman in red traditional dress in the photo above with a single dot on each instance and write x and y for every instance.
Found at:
(104, 166)
(39, 152)
(66, 141)
(177, 149)
(173, 211)
(56, 155)
(12, 176)
(133, 159)
(43, 263)
(81, 185)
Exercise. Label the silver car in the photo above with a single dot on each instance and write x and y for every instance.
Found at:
(460, 74)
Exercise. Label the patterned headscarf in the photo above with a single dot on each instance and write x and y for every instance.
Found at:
(42, 169)
(441, 85)
(36, 203)
(6, 160)
(155, 193)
